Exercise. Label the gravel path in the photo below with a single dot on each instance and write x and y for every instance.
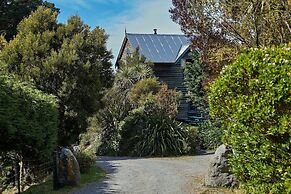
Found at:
(150, 176)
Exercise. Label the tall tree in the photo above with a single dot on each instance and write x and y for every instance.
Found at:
(221, 28)
(67, 60)
(13, 11)
(194, 76)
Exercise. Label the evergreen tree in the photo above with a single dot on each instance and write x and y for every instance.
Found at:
(194, 76)
(67, 60)
(13, 11)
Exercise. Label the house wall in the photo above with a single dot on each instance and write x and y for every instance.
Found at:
(172, 75)
(125, 54)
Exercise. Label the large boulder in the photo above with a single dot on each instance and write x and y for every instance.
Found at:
(68, 168)
(218, 172)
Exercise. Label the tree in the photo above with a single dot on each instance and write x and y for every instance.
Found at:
(13, 11)
(67, 60)
(221, 29)
(194, 77)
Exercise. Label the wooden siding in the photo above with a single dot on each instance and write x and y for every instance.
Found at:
(172, 75)
(127, 47)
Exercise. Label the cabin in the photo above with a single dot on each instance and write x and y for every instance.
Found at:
(169, 53)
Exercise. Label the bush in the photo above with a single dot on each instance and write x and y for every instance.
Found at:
(193, 138)
(148, 132)
(210, 134)
(85, 160)
(91, 139)
(28, 119)
(151, 129)
(253, 98)
(28, 123)
(140, 91)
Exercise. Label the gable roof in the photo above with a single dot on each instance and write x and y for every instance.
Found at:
(158, 48)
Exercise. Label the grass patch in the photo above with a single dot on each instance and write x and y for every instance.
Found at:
(222, 191)
(94, 174)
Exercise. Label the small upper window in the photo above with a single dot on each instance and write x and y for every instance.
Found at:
(128, 53)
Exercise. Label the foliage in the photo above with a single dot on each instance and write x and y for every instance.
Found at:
(194, 76)
(147, 131)
(91, 139)
(210, 134)
(193, 138)
(139, 114)
(116, 108)
(167, 101)
(85, 160)
(151, 129)
(3, 42)
(252, 96)
(13, 11)
(117, 102)
(66, 60)
(28, 119)
(142, 89)
(221, 29)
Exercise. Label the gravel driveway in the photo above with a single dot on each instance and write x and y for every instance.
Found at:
(150, 175)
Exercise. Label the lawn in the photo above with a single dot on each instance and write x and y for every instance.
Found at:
(94, 174)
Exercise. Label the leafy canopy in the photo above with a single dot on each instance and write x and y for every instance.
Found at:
(13, 11)
(221, 28)
(68, 60)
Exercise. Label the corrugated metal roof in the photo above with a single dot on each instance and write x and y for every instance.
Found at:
(159, 48)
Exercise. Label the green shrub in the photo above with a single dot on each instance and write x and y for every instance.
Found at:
(193, 138)
(140, 91)
(28, 119)
(253, 97)
(85, 160)
(91, 139)
(116, 109)
(210, 134)
(3, 42)
(149, 132)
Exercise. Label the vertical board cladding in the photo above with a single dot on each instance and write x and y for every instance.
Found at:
(127, 51)
(172, 75)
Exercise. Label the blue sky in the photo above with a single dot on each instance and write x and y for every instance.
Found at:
(137, 16)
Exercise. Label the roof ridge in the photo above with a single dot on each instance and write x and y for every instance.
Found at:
(156, 34)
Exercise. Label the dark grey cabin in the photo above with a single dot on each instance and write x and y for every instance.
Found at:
(169, 53)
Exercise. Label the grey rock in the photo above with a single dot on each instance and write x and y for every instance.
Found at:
(218, 174)
(68, 168)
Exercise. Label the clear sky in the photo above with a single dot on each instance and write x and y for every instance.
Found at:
(137, 16)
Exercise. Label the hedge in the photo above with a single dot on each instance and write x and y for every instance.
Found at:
(253, 98)
(28, 119)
